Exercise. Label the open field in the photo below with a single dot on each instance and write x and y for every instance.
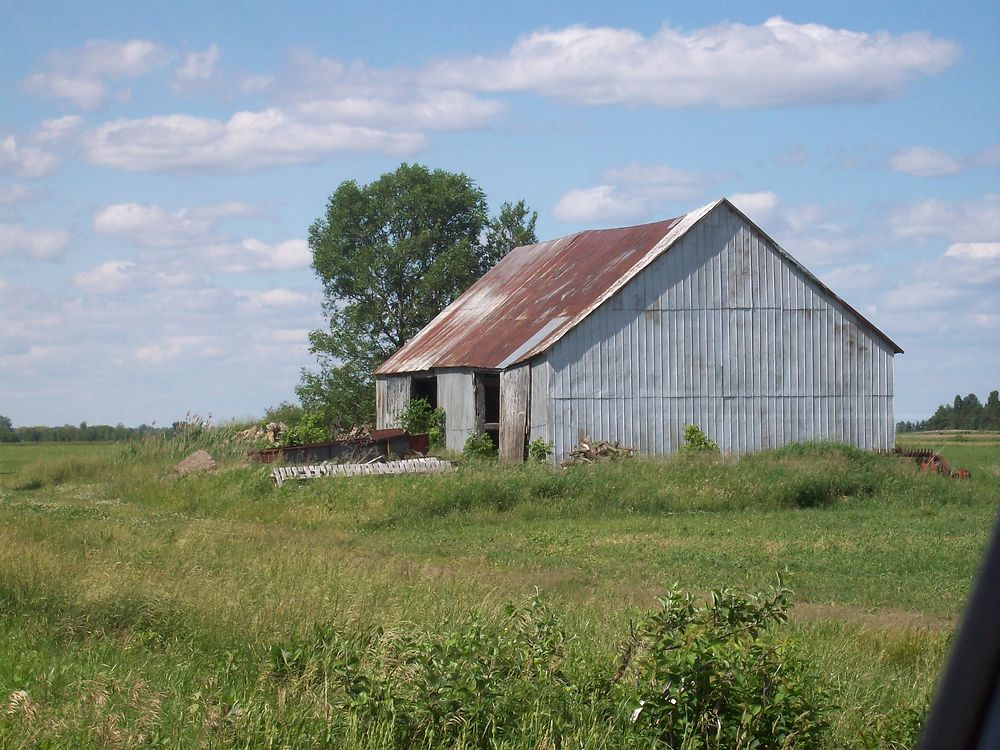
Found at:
(978, 452)
(143, 609)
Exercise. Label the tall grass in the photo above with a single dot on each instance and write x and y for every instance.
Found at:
(138, 607)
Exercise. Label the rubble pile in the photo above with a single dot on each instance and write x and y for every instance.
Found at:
(270, 433)
(591, 451)
(196, 462)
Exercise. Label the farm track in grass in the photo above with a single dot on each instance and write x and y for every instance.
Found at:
(166, 595)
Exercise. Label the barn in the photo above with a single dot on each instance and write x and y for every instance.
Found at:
(629, 334)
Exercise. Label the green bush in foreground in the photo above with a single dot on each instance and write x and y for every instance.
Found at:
(691, 675)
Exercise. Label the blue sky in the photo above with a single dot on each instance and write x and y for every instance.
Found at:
(160, 166)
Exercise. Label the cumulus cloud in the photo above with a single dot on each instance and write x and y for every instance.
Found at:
(252, 255)
(198, 69)
(962, 221)
(110, 276)
(150, 225)
(974, 250)
(778, 63)
(154, 226)
(630, 192)
(760, 206)
(81, 76)
(925, 162)
(57, 129)
(26, 161)
(326, 90)
(38, 244)
(245, 142)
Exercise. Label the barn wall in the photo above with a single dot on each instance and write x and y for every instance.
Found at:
(538, 402)
(392, 394)
(724, 332)
(457, 396)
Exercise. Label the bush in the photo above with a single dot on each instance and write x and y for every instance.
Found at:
(692, 676)
(539, 449)
(479, 447)
(418, 417)
(707, 676)
(311, 428)
(696, 441)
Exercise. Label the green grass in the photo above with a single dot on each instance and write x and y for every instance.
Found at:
(141, 608)
(979, 452)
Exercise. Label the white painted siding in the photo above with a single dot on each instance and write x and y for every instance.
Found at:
(724, 332)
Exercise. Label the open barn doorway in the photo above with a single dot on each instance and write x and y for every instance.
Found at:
(488, 405)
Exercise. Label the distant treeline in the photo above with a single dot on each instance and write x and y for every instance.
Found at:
(967, 413)
(85, 433)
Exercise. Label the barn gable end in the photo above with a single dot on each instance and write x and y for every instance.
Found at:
(725, 331)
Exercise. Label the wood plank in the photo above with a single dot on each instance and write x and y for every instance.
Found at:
(515, 387)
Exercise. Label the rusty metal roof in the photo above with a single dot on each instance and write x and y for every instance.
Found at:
(537, 293)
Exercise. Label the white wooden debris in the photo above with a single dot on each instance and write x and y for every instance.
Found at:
(408, 466)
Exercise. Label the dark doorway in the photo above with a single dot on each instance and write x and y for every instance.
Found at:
(425, 387)
(488, 405)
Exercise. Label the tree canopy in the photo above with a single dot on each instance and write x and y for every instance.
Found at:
(392, 255)
(964, 413)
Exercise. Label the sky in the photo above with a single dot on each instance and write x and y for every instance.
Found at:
(160, 166)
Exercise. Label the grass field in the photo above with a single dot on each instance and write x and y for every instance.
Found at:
(142, 609)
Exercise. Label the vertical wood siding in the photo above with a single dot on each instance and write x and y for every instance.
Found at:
(723, 332)
(515, 393)
(457, 396)
(392, 394)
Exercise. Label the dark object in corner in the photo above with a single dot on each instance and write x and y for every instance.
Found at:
(965, 714)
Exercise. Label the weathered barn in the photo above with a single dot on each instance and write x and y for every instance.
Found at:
(629, 334)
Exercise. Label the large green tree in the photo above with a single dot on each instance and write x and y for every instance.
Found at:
(391, 255)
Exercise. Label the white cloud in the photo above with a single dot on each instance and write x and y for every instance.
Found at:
(975, 250)
(57, 129)
(154, 226)
(247, 141)
(777, 63)
(14, 194)
(923, 161)
(963, 221)
(150, 225)
(26, 161)
(252, 255)
(630, 192)
(276, 298)
(110, 276)
(198, 69)
(39, 244)
(175, 346)
(81, 75)
(760, 206)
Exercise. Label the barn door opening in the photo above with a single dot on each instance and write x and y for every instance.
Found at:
(488, 405)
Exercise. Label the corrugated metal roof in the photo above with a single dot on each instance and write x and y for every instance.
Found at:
(536, 293)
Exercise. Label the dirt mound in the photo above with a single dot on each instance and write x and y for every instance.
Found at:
(197, 461)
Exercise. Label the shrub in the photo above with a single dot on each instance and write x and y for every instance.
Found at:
(696, 441)
(479, 447)
(706, 675)
(312, 428)
(418, 417)
(539, 449)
